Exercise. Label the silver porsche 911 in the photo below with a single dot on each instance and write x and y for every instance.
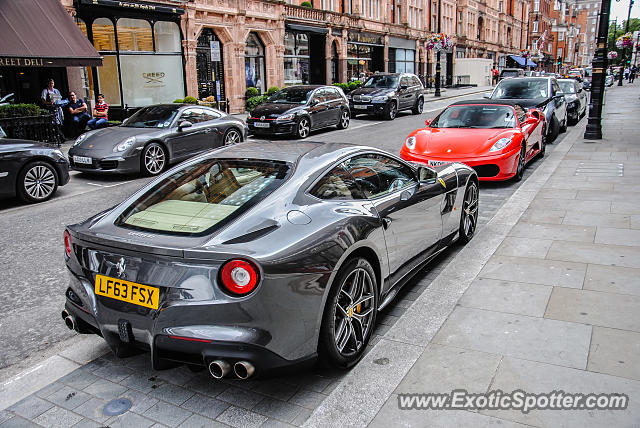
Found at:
(261, 256)
(155, 137)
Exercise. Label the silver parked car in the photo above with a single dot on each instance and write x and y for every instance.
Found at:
(263, 255)
(543, 93)
(155, 137)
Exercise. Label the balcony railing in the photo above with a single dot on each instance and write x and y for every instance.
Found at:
(318, 15)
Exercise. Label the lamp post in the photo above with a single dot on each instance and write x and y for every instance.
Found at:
(599, 66)
(437, 92)
(624, 50)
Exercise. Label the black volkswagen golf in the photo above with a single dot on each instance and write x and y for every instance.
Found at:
(298, 110)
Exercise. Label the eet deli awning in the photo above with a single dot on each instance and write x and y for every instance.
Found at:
(40, 33)
(521, 60)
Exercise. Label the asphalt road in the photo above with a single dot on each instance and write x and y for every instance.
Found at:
(34, 276)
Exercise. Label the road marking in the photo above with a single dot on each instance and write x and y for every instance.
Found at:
(366, 124)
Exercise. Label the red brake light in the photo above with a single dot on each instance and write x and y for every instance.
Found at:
(240, 277)
(67, 243)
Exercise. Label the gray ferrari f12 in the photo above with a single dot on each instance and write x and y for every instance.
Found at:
(264, 255)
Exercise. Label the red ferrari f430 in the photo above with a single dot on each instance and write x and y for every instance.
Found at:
(497, 139)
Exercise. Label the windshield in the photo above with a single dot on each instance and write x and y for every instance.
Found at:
(567, 87)
(291, 96)
(204, 196)
(509, 73)
(482, 116)
(382, 82)
(521, 89)
(152, 117)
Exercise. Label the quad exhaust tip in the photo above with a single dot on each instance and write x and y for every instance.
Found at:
(219, 368)
(243, 369)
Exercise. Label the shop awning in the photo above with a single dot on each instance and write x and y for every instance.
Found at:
(306, 28)
(521, 60)
(40, 33)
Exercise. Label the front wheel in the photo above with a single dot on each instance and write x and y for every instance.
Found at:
(543, 145)
(390, 111)
(417, 109)
(521, 163)
(349, 315)
(303, 128)
(343, 123)
(154, 159)
(469, 216)
(554, 129)
(37, 182)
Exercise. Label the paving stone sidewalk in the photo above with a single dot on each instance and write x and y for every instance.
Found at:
(546, 297)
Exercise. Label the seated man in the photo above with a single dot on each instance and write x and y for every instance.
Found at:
(77, 110)
(100, 114)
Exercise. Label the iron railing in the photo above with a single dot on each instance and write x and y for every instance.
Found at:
(42, 128)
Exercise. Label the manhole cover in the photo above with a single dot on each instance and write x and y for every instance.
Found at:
(116, 407)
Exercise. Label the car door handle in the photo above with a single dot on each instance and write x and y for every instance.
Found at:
(386, 222)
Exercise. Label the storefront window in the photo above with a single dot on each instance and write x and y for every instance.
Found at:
(296, 58)
(108, 80)
(151, 79)
(104, 35)
(358, 61)
(167, 36)
(401, 60)
(82, 25)
(134, 35)
(254, 63)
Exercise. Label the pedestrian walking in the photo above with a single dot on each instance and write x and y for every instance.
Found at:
(626, 73)
(632, 74)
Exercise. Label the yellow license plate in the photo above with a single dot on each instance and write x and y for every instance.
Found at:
(130, 292)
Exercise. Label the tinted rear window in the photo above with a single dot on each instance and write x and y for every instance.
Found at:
(204, 196)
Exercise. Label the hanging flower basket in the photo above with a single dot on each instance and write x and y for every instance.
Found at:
(439, 42)
(624, 41)
(612, 55)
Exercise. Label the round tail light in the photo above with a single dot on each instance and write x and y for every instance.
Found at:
(240, 277)
(67, 243)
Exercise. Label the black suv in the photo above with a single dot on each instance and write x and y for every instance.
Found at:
(298, 110)
(386, 94)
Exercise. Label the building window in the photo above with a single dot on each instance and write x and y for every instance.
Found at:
(536, 6)
(167, 36)
(104, 35)
(134, 35)
(254, 63)
(402, 60)
(560, 36)
(535, 26)
(500, 6)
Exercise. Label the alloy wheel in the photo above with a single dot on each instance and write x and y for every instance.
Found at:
(354, 312)
(393, 111)
(154, 159)
(232, 137)
(39, 182)
(470, 211)
(344, 120)
(521, 162)
(303, 128)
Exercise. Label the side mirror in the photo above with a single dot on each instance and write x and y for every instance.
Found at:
(313, 103)
(184, 124)
(487, 95)
(427, 122)
(559, 94)
(426, 174)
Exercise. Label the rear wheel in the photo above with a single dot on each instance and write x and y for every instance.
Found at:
(469, 217)
(417, 109)
(349, 315)
(37, 182)
(343, 123)
(563, 128)
(232, 136)
(543, 145)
